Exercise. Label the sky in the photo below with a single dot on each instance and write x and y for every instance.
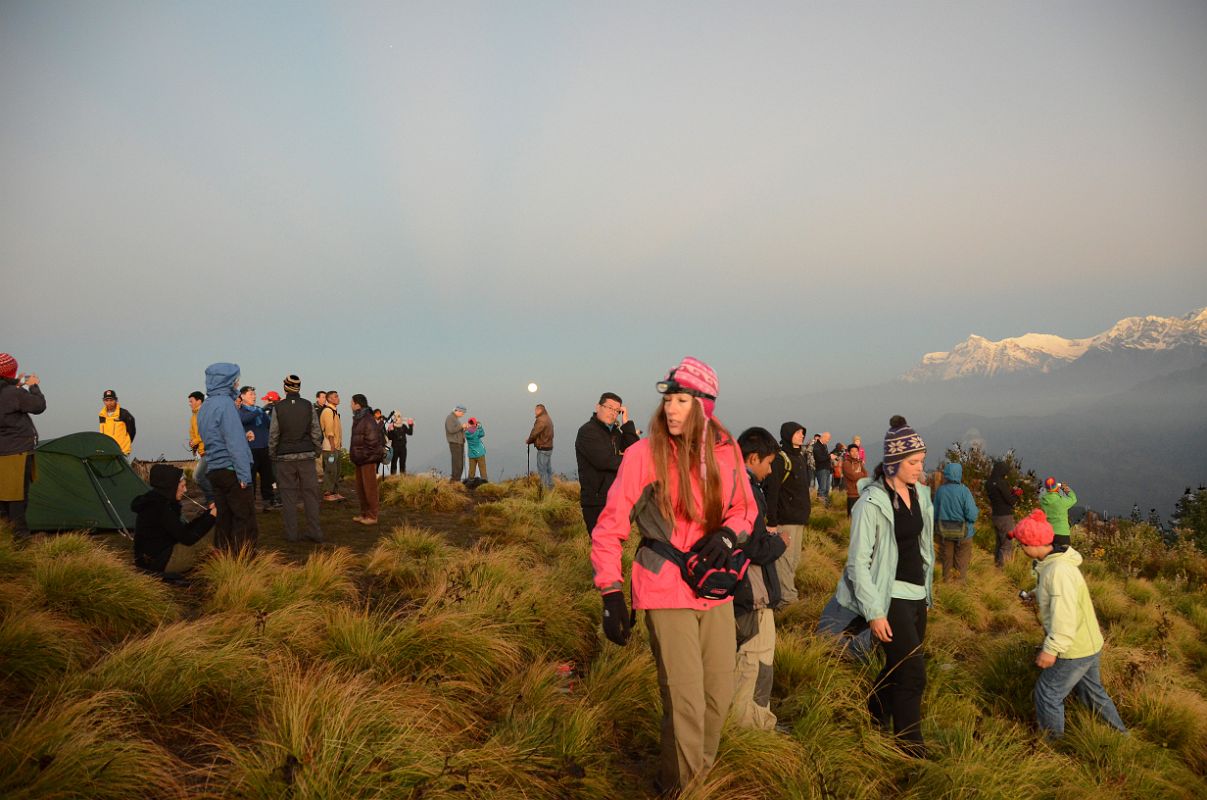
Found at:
(436, 203)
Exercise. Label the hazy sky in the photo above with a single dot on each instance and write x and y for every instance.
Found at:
(435, 203)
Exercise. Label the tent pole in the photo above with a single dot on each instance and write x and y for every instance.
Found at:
(108, 503)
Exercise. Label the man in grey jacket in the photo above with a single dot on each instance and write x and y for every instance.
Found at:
(294, 440)
(454, 432)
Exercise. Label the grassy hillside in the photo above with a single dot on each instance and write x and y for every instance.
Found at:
(428, 661)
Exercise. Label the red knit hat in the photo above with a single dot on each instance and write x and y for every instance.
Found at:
(8, 366)
(1034, 530)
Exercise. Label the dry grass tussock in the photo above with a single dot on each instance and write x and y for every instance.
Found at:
(426, 669)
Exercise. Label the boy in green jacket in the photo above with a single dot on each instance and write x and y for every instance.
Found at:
(1070, 654)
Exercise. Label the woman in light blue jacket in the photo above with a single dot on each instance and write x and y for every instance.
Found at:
(886, 585)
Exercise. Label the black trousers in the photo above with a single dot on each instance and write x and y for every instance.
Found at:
(236, 526)
(398, 463)
(897, 695)
(261, 473)
(14, 510)
(591, 516)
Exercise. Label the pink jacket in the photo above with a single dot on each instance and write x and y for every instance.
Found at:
(657, 583)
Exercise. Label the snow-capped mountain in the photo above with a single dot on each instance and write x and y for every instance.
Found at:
(1037, 353)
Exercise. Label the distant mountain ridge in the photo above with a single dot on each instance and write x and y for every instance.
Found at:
(1041, 353)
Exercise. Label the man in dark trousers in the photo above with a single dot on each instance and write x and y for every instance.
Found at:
(294, 440)
(398, 429)
(823, 467)
(788, 505)
(600, 443)
(228, 460)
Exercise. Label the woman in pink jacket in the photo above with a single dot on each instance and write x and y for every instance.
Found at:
(692, 638)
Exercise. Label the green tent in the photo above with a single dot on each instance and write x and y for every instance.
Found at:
(83, 482)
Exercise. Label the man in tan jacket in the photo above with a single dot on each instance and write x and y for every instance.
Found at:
(333, 443)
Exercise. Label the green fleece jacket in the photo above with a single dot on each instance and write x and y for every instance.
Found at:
(1065, 608)
(866, 586)
(1056, 507)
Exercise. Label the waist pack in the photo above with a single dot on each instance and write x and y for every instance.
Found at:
(707, 582)
(951, 531)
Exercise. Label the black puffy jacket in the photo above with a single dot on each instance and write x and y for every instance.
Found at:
(159, 528)
(787, 487)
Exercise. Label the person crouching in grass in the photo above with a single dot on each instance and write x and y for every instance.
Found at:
(165, 544)
(757, 594)
(1071, 650)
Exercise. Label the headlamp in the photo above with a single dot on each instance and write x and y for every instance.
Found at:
(669, 385)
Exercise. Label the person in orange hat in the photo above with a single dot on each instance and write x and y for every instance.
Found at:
(1072, 648)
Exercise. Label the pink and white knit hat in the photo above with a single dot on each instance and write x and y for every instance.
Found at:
(8, 366)
(693, 377)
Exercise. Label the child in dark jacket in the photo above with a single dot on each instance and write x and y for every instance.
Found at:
(163, 542)
(757, 594)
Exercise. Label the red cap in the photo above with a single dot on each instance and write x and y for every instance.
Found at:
(271, 397)
(1034, 530)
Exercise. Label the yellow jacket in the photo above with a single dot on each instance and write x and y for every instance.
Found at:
(195, 441)
(1065, 608)
(118, 426)
(329, 422)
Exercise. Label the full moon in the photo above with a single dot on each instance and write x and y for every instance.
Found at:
(532, 387)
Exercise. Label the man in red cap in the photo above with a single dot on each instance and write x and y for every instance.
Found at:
(20, 397)
(1072, 648)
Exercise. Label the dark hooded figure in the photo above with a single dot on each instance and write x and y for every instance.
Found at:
(1002, 499)
(163, 542)
(788, 504)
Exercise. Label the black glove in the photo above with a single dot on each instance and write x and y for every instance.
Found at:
(715, 548)
(616, 618)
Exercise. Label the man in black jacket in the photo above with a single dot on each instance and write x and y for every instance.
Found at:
(788, 504)
(163, 542)
(823, 467)
(295, 439)
(598, 447)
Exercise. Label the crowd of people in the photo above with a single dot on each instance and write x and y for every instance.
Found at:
(722, 520)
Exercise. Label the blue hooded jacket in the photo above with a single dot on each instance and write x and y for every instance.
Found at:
(953, 500)
(219, 426)
(473, 440)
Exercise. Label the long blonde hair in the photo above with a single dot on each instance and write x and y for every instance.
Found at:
(688, 450)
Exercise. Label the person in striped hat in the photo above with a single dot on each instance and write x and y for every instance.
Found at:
(886, 586)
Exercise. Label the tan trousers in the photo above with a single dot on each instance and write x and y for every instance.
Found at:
(786, 564)
(694, 653)
(478, 465)
(752, 678)
(184, 556)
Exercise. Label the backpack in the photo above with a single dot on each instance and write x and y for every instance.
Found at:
(708, 583)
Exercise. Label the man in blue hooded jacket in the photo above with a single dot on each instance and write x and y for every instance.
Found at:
(228, 459)
(955, 511)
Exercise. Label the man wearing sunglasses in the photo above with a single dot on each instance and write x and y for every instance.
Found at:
(600, 443)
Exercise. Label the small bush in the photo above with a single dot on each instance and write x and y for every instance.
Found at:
(78, 750)
(263, 582)
(424, 492)
(37, 647)
(91, 586)
(411, 562)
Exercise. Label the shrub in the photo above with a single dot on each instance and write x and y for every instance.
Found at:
(78, 749)
(411, 562)
(194, 669)
(324, 734)
(89, 585)
(424, 492)
(262, 582)
(37, 647)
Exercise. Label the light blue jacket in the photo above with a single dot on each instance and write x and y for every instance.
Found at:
(954, 502)
(473, 441)
(866, 585)
(218, 423)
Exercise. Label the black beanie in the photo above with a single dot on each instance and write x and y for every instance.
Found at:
(164, 478)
